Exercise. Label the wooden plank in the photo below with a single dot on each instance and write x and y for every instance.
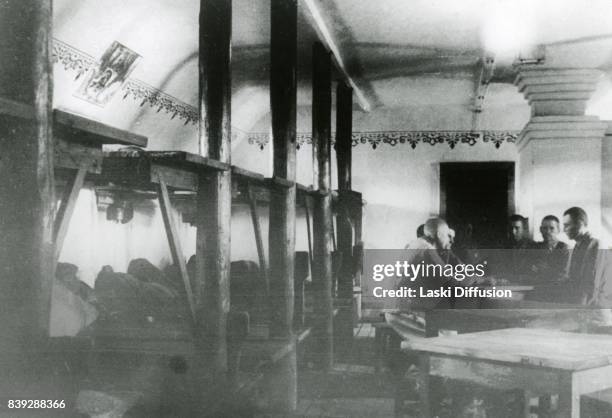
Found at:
(74, 155)
(178, 257)
(70, 127)
(240, 174)
(309, 233)
(303, 189)
(138, 170)
(283, 102)
(187, 160)
(78, 128)
(276, 182)
(322, 214)
(214, 199)
(127, 167)
(263, 264)
(261, 353)
(537, 380)
(262, 185)
(16, 109)
(333, 230)
(474, 320)
(174, 177)
(66, 210)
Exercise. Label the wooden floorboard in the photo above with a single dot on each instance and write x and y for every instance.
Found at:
(352, 388)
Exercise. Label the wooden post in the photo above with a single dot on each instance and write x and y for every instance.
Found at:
(344, 133)
(322, 213)
(283, 101)
(344, 126)
(214, 202)
(27, 192)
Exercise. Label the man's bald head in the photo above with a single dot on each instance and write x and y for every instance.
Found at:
(437, 230)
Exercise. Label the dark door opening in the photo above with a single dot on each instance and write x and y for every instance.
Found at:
(480, 195)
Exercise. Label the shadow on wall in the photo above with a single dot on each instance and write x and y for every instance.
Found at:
(389, 227)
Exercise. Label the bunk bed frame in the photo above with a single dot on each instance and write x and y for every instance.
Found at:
(78, 155)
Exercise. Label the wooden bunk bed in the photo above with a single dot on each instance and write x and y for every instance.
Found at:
(170, 172)
(78, 155)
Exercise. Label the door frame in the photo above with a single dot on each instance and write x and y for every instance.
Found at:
(509, 166)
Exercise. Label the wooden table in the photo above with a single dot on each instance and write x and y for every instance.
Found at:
(475, 320)
(539, 361)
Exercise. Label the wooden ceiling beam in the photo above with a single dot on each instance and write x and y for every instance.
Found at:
(328, 40)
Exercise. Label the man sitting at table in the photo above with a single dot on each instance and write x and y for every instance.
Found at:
(519, 233)
(428, 249)
(420, 232)
(517, 261)
(581, 284)
(551, 259)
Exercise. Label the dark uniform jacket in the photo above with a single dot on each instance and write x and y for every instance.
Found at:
(551, 264)
(582, 269)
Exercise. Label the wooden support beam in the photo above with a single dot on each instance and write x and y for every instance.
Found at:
(308, 232)
(214, 201)
(27, 192)
(263, 264)
(283, 101)
(322, 214)
(66, 209)
(325, 35)
(178, 257)
(483, 74)
(344, 135)
(344, 126)
(70, 127)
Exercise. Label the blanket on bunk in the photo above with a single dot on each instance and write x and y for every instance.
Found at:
(144, 293)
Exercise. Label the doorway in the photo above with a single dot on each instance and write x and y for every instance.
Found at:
(480, 195)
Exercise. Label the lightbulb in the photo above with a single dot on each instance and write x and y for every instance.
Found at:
(508, 28)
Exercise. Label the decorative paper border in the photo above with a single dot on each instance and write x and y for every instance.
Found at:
(73, 59)
(412, 138)
(146, 94)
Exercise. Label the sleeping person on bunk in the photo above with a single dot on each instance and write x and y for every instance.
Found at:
(67, 275)
(143, 294)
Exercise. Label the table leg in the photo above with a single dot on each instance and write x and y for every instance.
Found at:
(424, 386)
(569, 398)
(527, 395)
(379, 344)
(544, 406)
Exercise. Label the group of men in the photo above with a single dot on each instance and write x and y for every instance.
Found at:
(577, 275)
(554, 263)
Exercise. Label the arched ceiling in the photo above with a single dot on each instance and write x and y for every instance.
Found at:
(406, 57)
